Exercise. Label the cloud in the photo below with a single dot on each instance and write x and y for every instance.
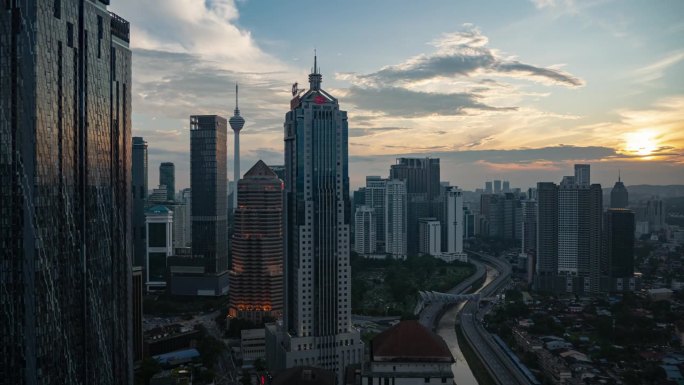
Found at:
(398, 101)
(656, 70)
(460, 54)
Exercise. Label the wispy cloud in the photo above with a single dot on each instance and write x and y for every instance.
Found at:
(461, 54)
(656, 70)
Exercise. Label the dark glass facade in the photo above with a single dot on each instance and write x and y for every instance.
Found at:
(619, 228)
(619, 197)
(547, 235)
(139, 191)
(65, 194)
(209, 183)
(167, 177)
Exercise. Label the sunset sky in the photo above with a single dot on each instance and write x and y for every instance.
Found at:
(516, 90)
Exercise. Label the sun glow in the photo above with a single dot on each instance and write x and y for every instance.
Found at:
(642, 143)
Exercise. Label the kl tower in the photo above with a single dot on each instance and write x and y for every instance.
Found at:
(236, 123)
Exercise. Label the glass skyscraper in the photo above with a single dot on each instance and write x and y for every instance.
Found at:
(209, 184)
(167, 177)
(65, 194)
(139, 191)
(316, 328)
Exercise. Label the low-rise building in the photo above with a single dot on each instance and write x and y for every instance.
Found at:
(408, 353)
(252, 345)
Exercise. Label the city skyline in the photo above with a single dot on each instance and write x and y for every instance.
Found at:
(518, 109)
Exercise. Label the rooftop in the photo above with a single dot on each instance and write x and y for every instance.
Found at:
(409, 341)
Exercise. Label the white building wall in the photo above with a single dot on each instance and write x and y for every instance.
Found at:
(431, 237)
(568, 227)
(365, 236)
(395, 218)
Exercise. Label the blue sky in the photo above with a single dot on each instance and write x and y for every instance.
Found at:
(514, 90)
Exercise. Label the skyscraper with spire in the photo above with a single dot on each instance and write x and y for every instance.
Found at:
(236, 123)
(619, 197)
(316, 329)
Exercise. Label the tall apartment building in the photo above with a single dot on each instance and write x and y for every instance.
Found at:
(256, 276)
(316, 329)
(365, 236)
(547, 236)
(396, 217)
(375, 198)
(430, 237)
(65, 194)
(569, 234)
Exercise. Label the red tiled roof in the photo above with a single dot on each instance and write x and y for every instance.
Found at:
(409, 341)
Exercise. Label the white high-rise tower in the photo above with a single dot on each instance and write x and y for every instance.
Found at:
(316, 329)
(236, 123)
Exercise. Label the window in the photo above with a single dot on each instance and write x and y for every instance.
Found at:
(427, 380)
(57, 10)
(70, 35)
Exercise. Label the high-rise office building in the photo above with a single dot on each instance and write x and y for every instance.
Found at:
(159, 220)
(619, 234)
(547, 236)
(506, 186)
(375, 198)
(158, 195)
(423, 188)
(396, 216)
(420, 174)
(497, 187)
(167, 177)
(488, 188)
(582, 175)
(365, 235)
(139, 190)
(256, 275)
(237, 122)
(316, 328)
(430, 237)
(65, 194)
(529, 226)
(208, 181)
(137, 312)
(619, 197)
(186, 199)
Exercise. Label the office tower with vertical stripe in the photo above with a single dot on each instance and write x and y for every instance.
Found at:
(316, 328)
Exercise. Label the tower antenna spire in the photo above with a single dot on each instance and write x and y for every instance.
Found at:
(619, 176)
(236, 97)
(315, 62)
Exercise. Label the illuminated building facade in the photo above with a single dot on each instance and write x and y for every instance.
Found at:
(256, 276)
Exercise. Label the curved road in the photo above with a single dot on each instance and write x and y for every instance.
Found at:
(500, 367)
